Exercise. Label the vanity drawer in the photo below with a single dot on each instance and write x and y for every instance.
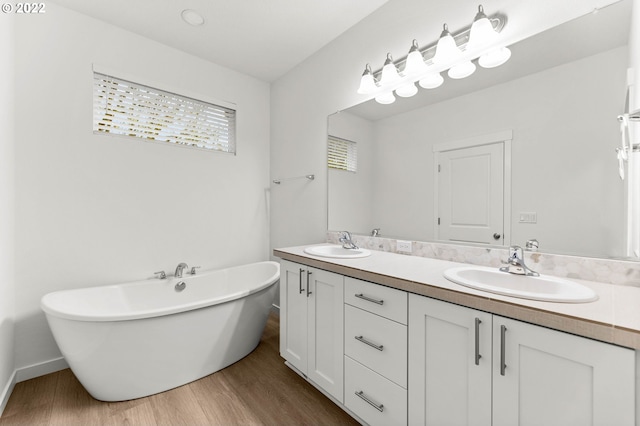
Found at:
(377, 343)
(387, 302)
(373, 398)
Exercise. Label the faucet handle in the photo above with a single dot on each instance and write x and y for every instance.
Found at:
(193, 270)
(532, 245)
(161, 274)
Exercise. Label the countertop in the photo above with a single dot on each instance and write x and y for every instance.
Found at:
(613, 318)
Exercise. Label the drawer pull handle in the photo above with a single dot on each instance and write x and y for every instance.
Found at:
(367, 342)
(366, 399)
(368, 299)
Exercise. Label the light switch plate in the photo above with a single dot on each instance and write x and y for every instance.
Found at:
(528, 217)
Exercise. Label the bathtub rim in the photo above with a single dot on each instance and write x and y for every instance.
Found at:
(48, 309)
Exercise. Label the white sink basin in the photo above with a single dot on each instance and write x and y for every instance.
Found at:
(337, 252)
(544, 287)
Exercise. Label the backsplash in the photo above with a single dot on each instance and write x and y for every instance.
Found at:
(620, 272)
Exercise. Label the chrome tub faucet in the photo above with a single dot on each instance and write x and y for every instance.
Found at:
(180, 268)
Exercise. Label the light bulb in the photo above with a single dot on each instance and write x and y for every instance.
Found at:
(482, 32)
(367, 82)
(407, 90)
(390, 74)
(431, 81)
(447, 51)
(414, 64)
(462, 70)
(385, 98)
(495, 58)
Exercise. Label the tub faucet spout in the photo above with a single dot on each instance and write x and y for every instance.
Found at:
(181, 267)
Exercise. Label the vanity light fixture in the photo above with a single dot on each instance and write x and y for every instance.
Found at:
(431, 81)
(367, 82)
(451, 53)
(482, 34)
(414, 65)
(385, 98)
(390, 73)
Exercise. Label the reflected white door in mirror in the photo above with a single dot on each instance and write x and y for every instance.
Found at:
(470, 191)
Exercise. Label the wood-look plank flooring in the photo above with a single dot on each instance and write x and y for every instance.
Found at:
(257, 390)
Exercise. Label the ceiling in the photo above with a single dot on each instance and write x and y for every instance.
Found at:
(261, 38)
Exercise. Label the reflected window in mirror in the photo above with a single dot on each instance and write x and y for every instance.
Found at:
(342, 154)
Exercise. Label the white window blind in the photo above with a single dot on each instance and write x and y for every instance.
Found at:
(343, 154)
(124, 108)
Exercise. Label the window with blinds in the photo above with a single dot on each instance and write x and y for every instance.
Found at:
(343, 154)
(124, 108)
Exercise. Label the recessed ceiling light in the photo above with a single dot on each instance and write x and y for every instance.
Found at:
(192, 17)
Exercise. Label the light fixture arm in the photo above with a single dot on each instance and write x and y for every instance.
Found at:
(367, 70)
(480, 14)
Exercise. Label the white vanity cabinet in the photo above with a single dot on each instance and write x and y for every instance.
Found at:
(375, 352)
(543, 376)
(311, 324)
(450, 363)
(468, 367)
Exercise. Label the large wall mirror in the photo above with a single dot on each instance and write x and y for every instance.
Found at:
(554, 108)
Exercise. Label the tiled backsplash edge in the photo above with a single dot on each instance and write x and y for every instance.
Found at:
(620, 272)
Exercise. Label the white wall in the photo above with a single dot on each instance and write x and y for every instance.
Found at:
(94, 209)
(328, 80)
(7, 282)
(351, 194)
(564, 130)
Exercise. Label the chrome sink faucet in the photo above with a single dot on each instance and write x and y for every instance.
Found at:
(179, 269)
(345, 239)
(515, 263)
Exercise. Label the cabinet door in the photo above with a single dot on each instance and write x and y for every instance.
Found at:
(449, 364)
(293, 314)
(546, 377)
(325, 331)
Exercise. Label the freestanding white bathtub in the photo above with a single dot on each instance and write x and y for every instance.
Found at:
(136, 339)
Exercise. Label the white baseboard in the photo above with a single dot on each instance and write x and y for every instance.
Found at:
(40, 369)
(6, 392)
(30, 372)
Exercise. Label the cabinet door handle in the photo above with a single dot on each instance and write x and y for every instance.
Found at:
(503, 342)
(308, 288)
(478, 356)
(366, 399)
(370, 343)
(368, 299)
(300, 280)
